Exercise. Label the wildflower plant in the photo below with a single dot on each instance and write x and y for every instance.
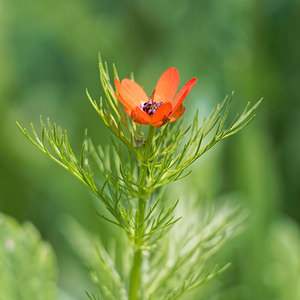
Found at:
(148, 152)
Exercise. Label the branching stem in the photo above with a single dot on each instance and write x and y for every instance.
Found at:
(135, 277)
(133, 178)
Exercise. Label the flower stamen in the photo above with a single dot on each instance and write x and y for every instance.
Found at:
(150, 107)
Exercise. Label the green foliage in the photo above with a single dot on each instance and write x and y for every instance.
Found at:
(147, 163)
(245, 45)
(187, 252)
(27, 264)
(101, 264)
(128, 179)
(177, 264)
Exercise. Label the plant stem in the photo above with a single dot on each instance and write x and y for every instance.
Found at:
(135, 276)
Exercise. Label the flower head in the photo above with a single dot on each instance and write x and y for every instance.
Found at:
(161, 107)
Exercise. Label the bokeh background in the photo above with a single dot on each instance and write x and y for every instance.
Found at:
(48, 57)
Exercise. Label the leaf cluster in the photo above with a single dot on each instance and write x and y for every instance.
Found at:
(128, 178)
(101, 263)
(174, 149)
(181, 262)
(27, 263)
(186, 253)
(133, 172)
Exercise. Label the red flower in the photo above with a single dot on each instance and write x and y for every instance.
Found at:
(161, 107)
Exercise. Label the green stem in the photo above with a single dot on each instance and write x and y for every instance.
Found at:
(150, 136)
(135, 276)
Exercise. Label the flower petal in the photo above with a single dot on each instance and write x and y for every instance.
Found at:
(136, 89)
(131, 92)
(140, 117)
(162, 113)
(183, 93)
(177, 114)
(127, 108)
(167, 86)
(159, 124)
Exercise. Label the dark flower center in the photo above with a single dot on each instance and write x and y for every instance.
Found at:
(150, 107)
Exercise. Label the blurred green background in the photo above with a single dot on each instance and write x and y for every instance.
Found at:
(48, 57)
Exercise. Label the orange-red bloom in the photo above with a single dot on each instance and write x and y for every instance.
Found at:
(161, 107)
